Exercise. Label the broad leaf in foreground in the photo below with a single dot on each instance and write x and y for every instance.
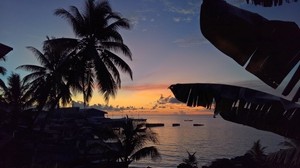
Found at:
(269, 49)
(244, 106)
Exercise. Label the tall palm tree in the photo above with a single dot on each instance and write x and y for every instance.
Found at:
(96, 29)
(16, 96)
(49, 81)
(132, 140)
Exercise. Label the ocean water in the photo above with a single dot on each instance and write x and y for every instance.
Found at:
(216, 139)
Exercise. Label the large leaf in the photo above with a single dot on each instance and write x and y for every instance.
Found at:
(269, 49)
(244, 106)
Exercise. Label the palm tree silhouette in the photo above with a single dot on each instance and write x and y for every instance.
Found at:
(189, 162)
(16, 96)
(98, 38)
(48, 82)
(132, 140)
(257, 152)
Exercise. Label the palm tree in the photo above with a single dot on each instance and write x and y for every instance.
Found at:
(257, 152)
(286, 158)
(190, 162)
(132, 140)
(49, 82)
(17, 97)
(96, 28)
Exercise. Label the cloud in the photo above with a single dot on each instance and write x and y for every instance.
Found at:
(180, 113)
(190, 41)
(145, 87)
(108, 108)
(182, 19)
(176, 19)
(166, 100)
(182, 8)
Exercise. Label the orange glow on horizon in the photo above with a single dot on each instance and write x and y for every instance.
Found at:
(145, 100)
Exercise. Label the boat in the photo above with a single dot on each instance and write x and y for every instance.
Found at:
(188, 120)
(139, 119)
(198, 124)
(175, 124)
(155, 124)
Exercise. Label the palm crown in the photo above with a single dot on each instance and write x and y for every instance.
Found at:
(97, 34)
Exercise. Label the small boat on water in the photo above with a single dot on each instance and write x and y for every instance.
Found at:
(175, 124)
(139, 119)
(198, 124)
(155, 124)
(188, 120)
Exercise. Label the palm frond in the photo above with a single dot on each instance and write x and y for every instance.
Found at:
(109, 35)
(244, 106)
(61, 45)
(119, 62)
(287, 158)
(112, 68)
(115, 46)
(106, 83)
(40, 56)
(70, 18)
(32, 68)
(120, 23)
(150, 151)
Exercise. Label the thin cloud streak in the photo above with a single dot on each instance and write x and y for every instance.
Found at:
(145, 87)
(191, 9)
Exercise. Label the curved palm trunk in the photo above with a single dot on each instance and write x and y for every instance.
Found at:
(244, 106)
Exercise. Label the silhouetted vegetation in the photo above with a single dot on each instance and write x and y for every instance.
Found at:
(270, 55)
(131, 143)
(189, 162)
(32, 138)
(254, 158)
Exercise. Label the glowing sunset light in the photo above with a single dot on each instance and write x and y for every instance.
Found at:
(165, 40)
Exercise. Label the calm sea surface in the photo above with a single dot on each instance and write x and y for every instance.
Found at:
(216, 139)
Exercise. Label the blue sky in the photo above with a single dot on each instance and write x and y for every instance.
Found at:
(165, 40)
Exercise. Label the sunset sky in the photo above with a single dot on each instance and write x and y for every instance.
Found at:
(165, 40)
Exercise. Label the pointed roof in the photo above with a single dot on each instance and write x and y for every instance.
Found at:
(4, 50)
